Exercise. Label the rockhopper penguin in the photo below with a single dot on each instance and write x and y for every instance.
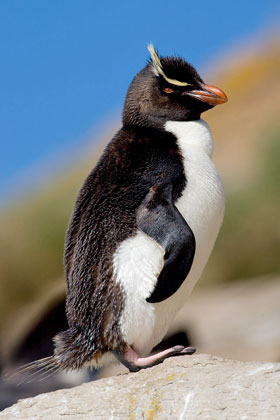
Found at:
(144, 224)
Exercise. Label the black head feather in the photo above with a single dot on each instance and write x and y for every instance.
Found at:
(177, 68)
(150, 104)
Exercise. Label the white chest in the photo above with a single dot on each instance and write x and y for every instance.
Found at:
(202, 201)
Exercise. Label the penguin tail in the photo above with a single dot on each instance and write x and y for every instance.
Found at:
(39, 369)
(72, 351)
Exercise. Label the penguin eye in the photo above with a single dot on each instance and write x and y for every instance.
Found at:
(168, 90)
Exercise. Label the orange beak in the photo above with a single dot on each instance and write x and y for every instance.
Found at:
(210, 94)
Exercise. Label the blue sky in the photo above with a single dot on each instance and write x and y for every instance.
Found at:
(66, 65)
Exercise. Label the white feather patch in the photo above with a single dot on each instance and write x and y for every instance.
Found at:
(137, 264)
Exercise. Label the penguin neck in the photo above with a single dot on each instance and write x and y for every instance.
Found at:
(132, 116)
(144, 121)
(195, 135)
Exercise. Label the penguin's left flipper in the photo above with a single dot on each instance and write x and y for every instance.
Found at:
(160, 219)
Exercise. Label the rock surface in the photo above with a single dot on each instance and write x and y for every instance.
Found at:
(184, 388)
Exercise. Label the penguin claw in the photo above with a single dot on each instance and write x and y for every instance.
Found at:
(134, 362)
(186, 351)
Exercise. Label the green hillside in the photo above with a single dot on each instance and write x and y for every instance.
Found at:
(249, 242)
(32, 236)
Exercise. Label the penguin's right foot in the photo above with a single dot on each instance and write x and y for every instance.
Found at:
(134, 362)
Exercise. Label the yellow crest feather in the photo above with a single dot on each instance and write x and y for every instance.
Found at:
(159, 70)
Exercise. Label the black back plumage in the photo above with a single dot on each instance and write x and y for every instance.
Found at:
(104, 216)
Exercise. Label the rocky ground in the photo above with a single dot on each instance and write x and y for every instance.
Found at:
(184, 388)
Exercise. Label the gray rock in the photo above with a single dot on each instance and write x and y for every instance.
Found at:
(184, 388)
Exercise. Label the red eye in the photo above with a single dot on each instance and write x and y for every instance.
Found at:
(168, 90)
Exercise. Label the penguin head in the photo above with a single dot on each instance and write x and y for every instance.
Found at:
(168, 89)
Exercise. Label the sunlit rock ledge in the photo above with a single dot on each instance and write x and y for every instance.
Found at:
(187, 387)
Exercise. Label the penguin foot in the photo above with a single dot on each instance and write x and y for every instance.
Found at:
(134, 362)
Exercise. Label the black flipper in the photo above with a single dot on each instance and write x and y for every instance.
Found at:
(159, 218)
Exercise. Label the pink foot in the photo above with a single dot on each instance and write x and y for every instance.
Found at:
(134, 362)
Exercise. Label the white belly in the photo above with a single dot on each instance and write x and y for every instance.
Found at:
(138, 260)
